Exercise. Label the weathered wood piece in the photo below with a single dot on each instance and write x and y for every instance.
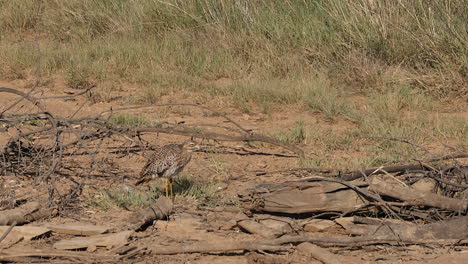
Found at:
(318, 225)
(79, 229)
(254, 227)
(22, 232)
(412, 196)
(24, 214)
(160, 210)
(300, 197)
(319, 253)
(91, 243)
(279, 225)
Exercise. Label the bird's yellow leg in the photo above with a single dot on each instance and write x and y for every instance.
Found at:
(167, 187)
(172, 193)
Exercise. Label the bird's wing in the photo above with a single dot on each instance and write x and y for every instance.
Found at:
(146, 169)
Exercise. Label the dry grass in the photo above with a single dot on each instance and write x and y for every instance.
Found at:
(369, 45)
(403, 57)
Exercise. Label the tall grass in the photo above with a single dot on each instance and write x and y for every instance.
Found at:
(365, 44)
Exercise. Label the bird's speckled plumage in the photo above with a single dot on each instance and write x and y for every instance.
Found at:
(167, 161)
(7, 197)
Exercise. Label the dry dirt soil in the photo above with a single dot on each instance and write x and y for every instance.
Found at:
(228, 171)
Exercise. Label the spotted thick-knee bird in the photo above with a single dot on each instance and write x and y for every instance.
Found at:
(167, 162)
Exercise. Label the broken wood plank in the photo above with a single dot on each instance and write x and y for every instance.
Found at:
(79, 229)
(91, 243)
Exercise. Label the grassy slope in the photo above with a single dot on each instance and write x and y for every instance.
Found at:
(404, 57)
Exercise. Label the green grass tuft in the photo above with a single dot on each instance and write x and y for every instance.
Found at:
(128, 120)
(295, 135)
(185, 187)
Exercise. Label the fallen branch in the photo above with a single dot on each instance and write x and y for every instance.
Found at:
(217, 246)
(412, 196)
(356, 174)
(19, 255)
(277, 244)
(220, 137)
(381, 228)
(361, 241)
(33, 100)
(349, 176)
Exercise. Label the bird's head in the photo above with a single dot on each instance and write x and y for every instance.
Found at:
(191, 145)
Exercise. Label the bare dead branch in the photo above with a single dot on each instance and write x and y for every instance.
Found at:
(216, 247)
(414, 197)
(349, 176)
(29, 98)
(7, 231)
(220, 137)
(275, 244)
(68, 96)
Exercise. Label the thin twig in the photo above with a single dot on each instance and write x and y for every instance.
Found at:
(7, 231)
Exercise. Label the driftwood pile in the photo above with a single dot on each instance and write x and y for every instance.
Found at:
(423, 203)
